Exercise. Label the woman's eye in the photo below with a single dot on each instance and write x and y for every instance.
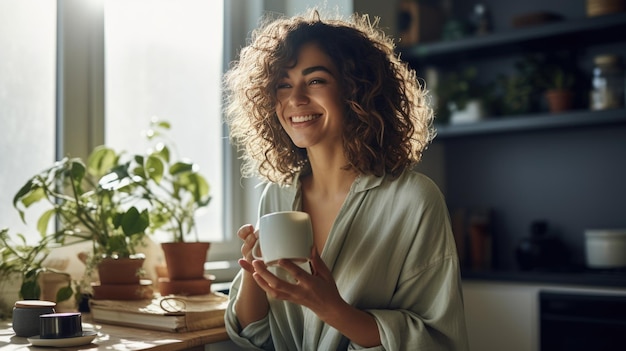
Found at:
(317, 81)
(283, 86)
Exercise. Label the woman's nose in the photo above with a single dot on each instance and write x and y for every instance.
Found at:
(298, 96)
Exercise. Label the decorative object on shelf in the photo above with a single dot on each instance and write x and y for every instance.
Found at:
(472, 228)
(534, 18)
(455, 29)
(558, 79)
(559, 100)
(605, 7)
(605, 248)
(472, 112)
(541, 250)
(481, 20)
(419, 22)
(457, 91)
(556, 75)
(481, 239)
(516, 92)
(607, 83)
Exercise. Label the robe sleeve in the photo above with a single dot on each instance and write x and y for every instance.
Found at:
(438, 325)
(255, 336)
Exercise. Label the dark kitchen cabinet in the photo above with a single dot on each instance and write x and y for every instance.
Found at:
(567, 169)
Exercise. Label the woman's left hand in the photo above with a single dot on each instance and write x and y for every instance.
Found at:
(316, 291)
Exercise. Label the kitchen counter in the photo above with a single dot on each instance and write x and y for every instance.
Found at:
(585, 278)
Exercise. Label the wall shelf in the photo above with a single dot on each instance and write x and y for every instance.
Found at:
(568, 33)
(532, 123)
(533, 165)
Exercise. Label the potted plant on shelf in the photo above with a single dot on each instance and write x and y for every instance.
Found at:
(516, 91)
(555, 76)
(92, 202)
(23, 263)
(559, 93)
(175, 191)
(460, 97)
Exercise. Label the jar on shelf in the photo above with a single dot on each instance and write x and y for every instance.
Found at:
(607, 85)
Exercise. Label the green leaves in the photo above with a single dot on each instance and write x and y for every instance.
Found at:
(154, 168)
(174, 189)
(102, 160)
(65, 293)
(30, 289)
(132, 221)
(18, 258)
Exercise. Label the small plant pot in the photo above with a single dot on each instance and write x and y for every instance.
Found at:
(185, 260)
(120, 271)
(473, 112)
(559, 100)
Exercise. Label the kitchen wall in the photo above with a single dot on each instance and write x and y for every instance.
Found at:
(571, 177)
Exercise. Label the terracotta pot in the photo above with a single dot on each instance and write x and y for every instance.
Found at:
(559, 100)
(119, 271)
(139, 291)
(187, 287)
(185, 260)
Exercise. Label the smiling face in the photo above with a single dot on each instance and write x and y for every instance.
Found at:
(309, 100)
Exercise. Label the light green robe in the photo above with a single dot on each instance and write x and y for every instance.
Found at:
(392, 254)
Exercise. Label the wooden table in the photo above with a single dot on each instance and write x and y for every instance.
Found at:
(118, 338)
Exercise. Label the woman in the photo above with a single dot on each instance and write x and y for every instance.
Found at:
(326, 113)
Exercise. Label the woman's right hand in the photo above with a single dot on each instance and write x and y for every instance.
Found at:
(251, 302)
(249, 237)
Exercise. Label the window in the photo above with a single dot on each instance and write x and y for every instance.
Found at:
(27, 101)
(164, 58)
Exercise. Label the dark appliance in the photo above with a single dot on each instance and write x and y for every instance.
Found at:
(575, 321)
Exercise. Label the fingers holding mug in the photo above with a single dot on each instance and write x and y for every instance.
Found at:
(246, 233)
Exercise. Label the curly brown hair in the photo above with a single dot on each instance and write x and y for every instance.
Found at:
(388, 121)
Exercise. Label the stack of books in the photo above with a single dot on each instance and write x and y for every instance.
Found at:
(166, 313)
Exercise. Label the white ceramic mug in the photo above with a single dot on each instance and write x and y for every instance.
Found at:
(287, 235)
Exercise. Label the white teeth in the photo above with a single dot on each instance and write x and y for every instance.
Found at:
(300, 119)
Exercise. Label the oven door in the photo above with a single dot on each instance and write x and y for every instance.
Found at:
(582, 321)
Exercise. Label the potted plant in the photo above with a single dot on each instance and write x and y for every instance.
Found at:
(555, 76)
(460, 97)
(559, 93)
(21, 260)
(175, 191)
(90, 202)
(516, 92)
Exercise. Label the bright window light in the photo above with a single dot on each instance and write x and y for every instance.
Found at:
(27, 102)
(163, 58)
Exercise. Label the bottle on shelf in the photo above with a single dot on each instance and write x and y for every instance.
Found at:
(607, 83)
